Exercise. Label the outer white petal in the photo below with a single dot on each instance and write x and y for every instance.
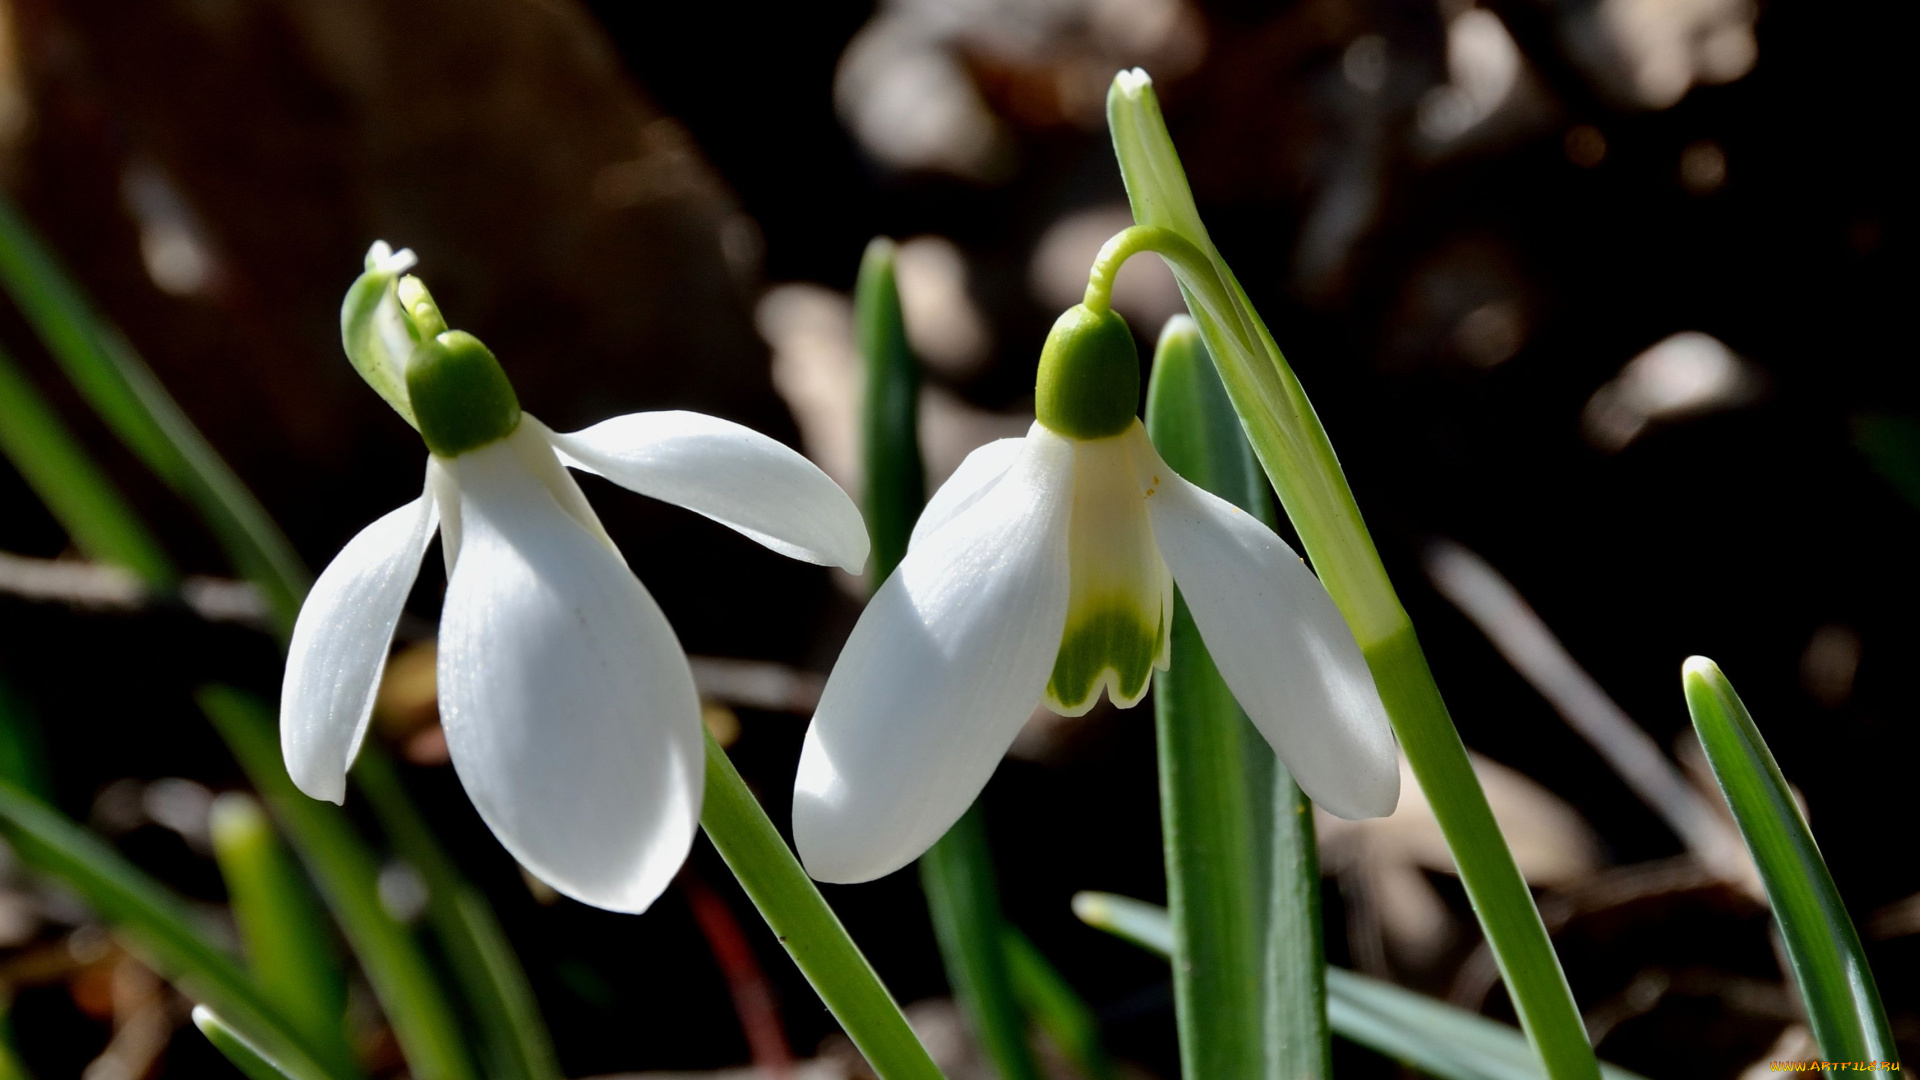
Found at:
(732, 474)
(566, 698)
(340, 644)
(975, 477)
(943, 668)
(1280, 644)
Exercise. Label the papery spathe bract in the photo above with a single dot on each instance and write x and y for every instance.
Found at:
(569, 708)
(1042, 572)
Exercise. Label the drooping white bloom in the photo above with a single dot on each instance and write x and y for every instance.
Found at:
(1043, 572)
(568, 705)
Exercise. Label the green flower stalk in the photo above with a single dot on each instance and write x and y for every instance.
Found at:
(1293, 448)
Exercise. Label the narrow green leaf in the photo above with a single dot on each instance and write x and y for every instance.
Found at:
(123, 390)
(957, 872)
(957, 876)
(246, 1057)
(23, 756)
(1052, 1002)
(1298, 458)
(1207, 809)
(1843, 1004)
(77, 493)
(800, 918)
(890, 427)
(514, 1037)
(1891, 444)
(280, 922)
(348, 875)
(1432, 1036)
(161, 927)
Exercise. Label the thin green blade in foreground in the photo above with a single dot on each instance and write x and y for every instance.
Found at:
(1416, 1030)
(123, 390)
(78, 494)
(348, 875)
(1208, 810)
(246, 1057)
(957, 872)
(800, 918)
(279, 920)
(895, 479)
(1843, 1004)
(1294, 450)
(161, 926)
(515, 1042)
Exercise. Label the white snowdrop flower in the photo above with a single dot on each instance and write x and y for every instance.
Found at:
(1043, 572)
(568, 705)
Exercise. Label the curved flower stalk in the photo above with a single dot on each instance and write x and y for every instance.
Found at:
(1043, 571)
(568, 705)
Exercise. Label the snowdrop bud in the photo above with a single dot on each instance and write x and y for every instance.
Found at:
(460, 396)
(1089, 384)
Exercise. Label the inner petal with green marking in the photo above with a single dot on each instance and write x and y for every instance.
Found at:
(1120, 601)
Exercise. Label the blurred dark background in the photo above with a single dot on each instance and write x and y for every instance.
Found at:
(1475, 230)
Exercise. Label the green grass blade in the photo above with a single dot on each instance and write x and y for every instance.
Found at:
(895, 479)
(514, 1037)
(248, 1058)
(348, 875)
(1047, 997)
(65, 478)
(1843, 1004)
(123, 391)
(280, 921)
(23, 756)
(957, 876)
(800, 918)
(1207, 810)
(1431, 1036)
(1299, 459)
(162, 928)
(957, 872)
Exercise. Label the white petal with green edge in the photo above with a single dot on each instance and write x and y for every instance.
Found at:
(978, 472)
(340, 644)
(735, 475)
(1280, 644)
(568, 705)
(942, 670)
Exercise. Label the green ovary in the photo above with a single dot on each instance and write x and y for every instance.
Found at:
(1114, 644)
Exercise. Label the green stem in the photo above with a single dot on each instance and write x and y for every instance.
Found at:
(806, 926)
(1294, 450)
(957, 876)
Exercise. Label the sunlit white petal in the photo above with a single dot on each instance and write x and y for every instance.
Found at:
(941, 671)
(1280, 644)
(567, 702)
(732, 474)
(976, 475)
(340, 644)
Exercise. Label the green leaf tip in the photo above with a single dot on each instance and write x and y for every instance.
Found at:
(461, 397)
(1089, 382)
(1823, 948)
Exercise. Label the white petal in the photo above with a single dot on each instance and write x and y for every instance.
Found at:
(975, 477)
(943, 668)
(566, 698)
(340, 644)
(732, 474)
(1280, 644)
(445, 493)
